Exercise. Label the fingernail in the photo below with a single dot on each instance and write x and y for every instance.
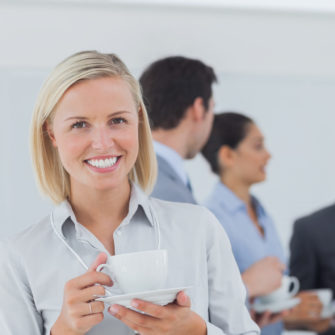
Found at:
(134, 303)
(114, 309)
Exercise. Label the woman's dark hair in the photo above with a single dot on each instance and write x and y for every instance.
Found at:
(229, 129)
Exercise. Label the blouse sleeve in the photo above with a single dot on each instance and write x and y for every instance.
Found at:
(228, 313)
(18, 314)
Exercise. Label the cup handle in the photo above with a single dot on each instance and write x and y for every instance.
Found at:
(296, 286)
(100, 268)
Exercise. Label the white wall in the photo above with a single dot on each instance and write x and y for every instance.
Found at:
(276, 67)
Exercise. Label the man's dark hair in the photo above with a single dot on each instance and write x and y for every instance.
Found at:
(170, 85)
(229, 129)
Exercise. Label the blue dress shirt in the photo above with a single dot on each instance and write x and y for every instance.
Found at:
(248, 245)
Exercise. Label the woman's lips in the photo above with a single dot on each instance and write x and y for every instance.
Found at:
(104, 164)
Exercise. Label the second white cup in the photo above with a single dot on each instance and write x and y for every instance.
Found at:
(289, 288)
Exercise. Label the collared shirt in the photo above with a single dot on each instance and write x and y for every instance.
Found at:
(248, 245)
(173, 158)
(36, 264)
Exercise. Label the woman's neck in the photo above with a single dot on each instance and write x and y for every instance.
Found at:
(101, 211)
(240, 189)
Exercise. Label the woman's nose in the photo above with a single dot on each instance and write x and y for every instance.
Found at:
(101, 138)
(268, 155)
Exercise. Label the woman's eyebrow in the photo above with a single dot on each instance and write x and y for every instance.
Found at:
(119, 113)
(76, 118)
(258, 138)
(109, 115)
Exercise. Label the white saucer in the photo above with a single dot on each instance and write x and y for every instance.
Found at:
(159, 297)
(275, 307)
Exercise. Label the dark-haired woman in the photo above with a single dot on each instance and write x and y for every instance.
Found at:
(237, 154)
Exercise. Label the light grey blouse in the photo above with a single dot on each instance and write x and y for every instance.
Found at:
(36, 264)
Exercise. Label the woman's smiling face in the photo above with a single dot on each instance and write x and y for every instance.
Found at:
(95, 130)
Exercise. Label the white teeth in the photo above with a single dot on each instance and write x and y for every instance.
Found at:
(102, 163)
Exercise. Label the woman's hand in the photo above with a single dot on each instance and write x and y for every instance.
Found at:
(263, 277)
(79, 311)
(267, 318)
(173, 319)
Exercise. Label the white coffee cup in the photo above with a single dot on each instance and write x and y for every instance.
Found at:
(138, 271)
(325, 296)
(289, 287)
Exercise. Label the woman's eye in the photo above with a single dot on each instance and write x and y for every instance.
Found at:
(79, 124)
(259, 147)
(118, 120)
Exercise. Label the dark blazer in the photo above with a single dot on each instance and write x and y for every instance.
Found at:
(312, 248)
(169, 185)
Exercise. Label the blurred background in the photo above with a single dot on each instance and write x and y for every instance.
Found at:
(275, 62)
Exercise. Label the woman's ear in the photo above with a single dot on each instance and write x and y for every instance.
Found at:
(225, 156)
(47, 127)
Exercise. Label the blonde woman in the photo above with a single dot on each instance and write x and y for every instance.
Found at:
(92, 153)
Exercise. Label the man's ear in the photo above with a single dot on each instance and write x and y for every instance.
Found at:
(226, 156)
(198, 109)
(47, 127)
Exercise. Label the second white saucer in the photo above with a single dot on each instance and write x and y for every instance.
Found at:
(275, 307)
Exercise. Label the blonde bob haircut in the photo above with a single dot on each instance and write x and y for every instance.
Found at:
(52, 178)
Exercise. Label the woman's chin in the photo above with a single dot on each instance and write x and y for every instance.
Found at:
(262, 177)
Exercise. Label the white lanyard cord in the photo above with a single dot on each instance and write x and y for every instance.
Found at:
(156, 226)
(155, 222)
(66, 244)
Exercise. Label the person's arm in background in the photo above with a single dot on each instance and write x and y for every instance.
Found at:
(263, 277)
(304, 266)
(306, 315)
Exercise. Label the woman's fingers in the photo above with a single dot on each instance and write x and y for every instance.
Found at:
(80, 312)
(91, 293)
(89, 279)
(132, 319)
(92, 307)
(149, 308)
(101, 259)
(183, 299)
(149, 318)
